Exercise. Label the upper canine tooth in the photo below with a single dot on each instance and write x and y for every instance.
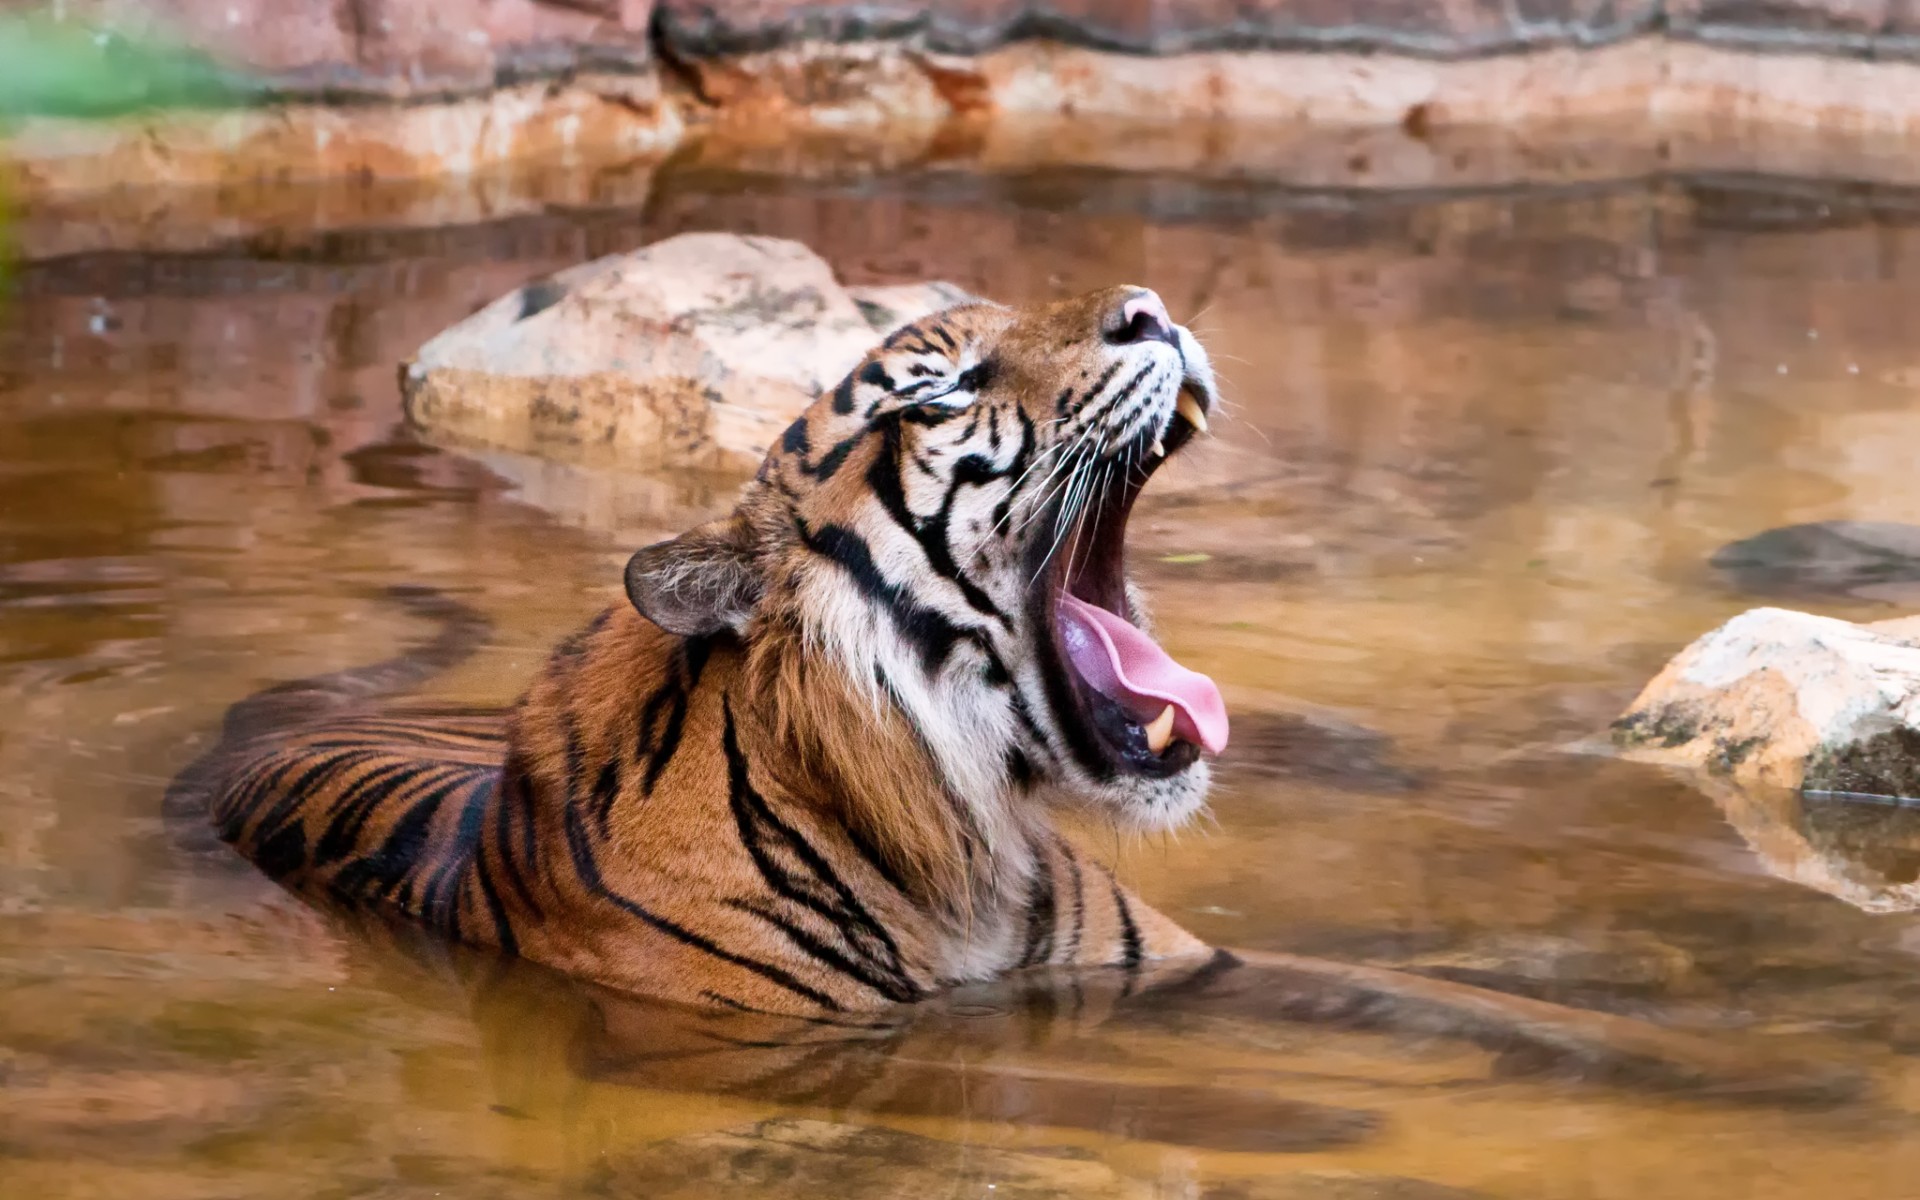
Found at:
(1161, 731)
(1189, 408)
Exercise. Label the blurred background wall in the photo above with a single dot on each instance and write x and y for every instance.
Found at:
(1376, 92)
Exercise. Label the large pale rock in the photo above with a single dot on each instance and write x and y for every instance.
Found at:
(692, 352)
(1790, 699)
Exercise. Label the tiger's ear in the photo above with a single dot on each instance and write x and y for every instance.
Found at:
(699, 583)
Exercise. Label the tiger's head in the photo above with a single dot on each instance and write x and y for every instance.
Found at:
(947, 529)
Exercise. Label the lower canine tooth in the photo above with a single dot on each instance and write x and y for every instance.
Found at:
(1189, 408)
(1159, 448)
(1161, 731)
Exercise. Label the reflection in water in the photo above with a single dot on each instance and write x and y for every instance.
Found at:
(1063, 1049)
(1005, 1053)
(1864, 850)
(1481, 454)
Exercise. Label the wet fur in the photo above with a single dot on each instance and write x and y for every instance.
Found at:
(819, 775)
(742, 814)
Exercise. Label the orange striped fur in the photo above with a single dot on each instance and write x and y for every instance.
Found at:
(820, 774)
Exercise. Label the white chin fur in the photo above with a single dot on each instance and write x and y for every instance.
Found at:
(1147, 805)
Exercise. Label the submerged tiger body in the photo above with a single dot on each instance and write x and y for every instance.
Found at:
(745, 896)
(813, 765)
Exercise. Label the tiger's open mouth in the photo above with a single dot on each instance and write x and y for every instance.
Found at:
(1125, 703)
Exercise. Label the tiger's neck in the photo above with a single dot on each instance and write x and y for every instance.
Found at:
(858, 762)
(678, 719)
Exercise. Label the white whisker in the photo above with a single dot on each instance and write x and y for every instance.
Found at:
(1068, 517)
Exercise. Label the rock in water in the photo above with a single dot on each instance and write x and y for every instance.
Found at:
(1789, 699)
(695, 351)
(1855, 558)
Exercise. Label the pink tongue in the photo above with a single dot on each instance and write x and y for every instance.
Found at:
(1130, 668)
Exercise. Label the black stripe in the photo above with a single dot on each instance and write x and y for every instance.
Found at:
(1017, 470)
(669, 743)
(355, 806)
(461, 853)
(976, 377)
(1040, 916)
(931, 414)
(283, 854)
(930, 632)
(674, 697)
(751, 803)
(740, 1006)
(267, 779)
(1127, 389)
(606, 789)
(395, 863)
(1098, 385)
(528, 823)
(831, 461)
(794, 440)
(694, 653)
(1019, 768)
(866, 848)
(650, 713)
(513, 800)
(883, 476)
(575, 644)
(875, 374)
(1079, 905)
(587, 870)
(1129, 932)
(502, 923)
(878, 964)
(399, 783)
(826, 954)
(287, 810)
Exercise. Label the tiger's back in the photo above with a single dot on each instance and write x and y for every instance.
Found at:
(381, 808)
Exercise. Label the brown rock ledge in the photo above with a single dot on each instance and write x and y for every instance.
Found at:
(1621, 89)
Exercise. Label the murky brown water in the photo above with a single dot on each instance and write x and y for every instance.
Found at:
(1483, 448)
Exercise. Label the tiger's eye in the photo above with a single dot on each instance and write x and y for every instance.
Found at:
(978, 376)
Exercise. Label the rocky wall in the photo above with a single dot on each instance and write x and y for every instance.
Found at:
(1384, 93)
(347, 51)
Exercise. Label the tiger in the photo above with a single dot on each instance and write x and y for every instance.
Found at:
(816, 763)
(800, 797)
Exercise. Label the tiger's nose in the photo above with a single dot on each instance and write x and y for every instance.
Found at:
(1141, 317)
